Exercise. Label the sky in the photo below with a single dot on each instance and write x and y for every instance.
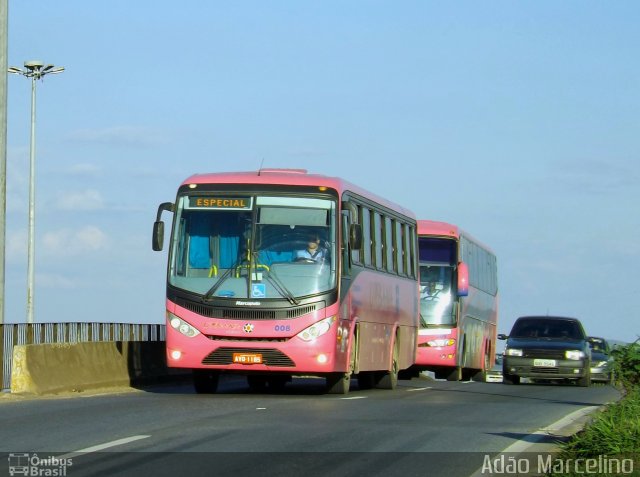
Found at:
(517, 121)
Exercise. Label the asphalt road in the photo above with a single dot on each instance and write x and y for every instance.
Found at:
(424, 427)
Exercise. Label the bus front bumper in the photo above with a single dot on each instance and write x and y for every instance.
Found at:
(292, 356)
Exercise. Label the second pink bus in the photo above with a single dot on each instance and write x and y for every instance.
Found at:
(458, 303)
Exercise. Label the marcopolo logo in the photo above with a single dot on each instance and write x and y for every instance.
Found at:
(30, 464)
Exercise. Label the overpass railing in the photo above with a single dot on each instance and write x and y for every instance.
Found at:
(12, 334)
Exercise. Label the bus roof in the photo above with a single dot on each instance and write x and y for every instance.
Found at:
(432, 227)
(445, 229)
(291, 177)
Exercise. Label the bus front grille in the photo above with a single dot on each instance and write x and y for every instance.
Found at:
(246, 313)
(270, 356)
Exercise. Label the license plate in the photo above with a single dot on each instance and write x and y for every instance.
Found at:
(247, 358)
(544, 363)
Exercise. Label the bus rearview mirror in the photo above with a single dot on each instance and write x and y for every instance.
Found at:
(463, 279)
(158, 236)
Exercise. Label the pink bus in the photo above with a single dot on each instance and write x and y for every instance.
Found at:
(458, 303)
(280, 273)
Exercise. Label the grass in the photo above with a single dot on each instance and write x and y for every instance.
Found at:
(615, 431)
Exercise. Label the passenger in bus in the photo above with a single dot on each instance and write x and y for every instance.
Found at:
(313, 252)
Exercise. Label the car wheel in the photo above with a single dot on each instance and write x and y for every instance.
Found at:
(585, 381)
(510, 379)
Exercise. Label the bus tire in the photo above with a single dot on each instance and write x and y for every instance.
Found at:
(338, 383)
(205, 381)
(481, 374)
(389, 379)
(455, 374)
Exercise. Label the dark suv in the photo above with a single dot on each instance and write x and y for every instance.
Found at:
(547, 347)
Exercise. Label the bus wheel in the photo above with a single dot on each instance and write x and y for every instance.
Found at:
(205, 381)
(481, 374)
(338, 383)
(455, 374)
(389, 379)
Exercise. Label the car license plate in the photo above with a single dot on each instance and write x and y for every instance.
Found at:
(544, 363)
(247, 358)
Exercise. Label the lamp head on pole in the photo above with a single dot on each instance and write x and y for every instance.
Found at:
(35, 69)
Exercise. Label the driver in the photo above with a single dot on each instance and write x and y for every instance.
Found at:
(312, 252)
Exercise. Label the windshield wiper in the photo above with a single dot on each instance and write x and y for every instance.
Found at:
(282, 289)
(423, 322)
(207, 296)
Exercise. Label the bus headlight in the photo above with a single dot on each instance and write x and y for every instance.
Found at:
(317, 329)
(441, 342)
(513, 352)
(574, 355)
(182, 326)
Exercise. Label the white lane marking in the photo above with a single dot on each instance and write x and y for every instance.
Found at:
(260, 408)
(529, 440)
(106, 445)
(354, 397)
(522, 444)
(419, 389)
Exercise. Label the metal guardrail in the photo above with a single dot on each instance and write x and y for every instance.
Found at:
(12, 334)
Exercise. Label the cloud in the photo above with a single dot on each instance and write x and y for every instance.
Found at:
(69, 242)
(89, 199)
(121, 136)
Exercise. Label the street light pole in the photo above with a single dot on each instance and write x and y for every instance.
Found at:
(35, 70)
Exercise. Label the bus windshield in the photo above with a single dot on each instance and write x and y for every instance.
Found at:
(436, 296)
(253, 246)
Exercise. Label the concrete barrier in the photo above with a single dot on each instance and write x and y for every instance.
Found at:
(63, 367)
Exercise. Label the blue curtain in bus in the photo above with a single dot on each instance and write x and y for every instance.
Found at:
(229, 249)
(199, 237)
(203, 228)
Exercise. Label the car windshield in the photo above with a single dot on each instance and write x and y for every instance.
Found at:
(598, 345)
(549, 329)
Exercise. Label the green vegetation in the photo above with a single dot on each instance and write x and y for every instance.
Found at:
(614, 432)
(627, 366)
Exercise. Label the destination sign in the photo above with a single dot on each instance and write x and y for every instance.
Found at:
(229, 203)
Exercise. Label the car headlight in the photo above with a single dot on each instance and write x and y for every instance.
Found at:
(574, 354)
(317, 329)
(513, 352)
(182, 326)
(601, 364)
(441, 342)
